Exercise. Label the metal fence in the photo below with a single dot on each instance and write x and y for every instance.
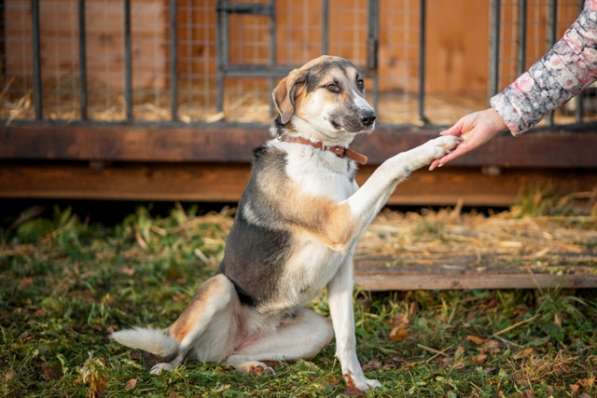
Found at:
(184, 62)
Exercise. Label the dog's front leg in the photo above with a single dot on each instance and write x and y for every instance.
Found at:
(341, 311)
(370, 198)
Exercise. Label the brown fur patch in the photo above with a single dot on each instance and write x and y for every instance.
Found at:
(328, 221)
(191, 315)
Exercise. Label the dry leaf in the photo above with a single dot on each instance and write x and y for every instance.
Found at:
(372, 365)
(50, 372)
(127, 271)
(400, 330)
(9, 375)
(475, 339)
(491, 346)
(574, 389)
(131, 384)
(527, 352)
(588, 382)
(557, 320)
(479, 359)
(459, 352)
(398, 333)
(25, 282)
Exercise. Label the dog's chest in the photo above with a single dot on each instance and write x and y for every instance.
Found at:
(312, 264)
(320, 173)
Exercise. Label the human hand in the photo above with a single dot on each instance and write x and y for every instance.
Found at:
(475, 129)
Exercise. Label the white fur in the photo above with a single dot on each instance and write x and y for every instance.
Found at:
(150, 340)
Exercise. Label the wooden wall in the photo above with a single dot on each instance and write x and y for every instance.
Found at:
(457, 44)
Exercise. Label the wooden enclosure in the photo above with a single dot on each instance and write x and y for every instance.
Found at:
(150, 127)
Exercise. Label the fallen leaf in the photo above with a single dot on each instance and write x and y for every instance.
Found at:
(527, 352)
(131, 384)
(459, 352)
(398, 333)
(127, 271)
(458, 364)
(475, 339)
(9, 375)
(372, 365)
(479, 359)
(588, 382)
(491, 346)
(25, 282)
(50, 372)
(574, 389)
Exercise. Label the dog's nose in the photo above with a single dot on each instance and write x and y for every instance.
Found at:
(368, 118)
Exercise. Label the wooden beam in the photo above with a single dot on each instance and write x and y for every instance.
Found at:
(397, 280)
(225, 182)
(373, 273)
(235, 144)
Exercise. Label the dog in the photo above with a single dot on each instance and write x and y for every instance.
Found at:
(295, 231)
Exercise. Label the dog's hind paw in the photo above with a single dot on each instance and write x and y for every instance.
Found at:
(159, 367)
(255, 368)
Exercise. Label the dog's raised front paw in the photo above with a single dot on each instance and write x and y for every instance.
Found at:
(442, 145)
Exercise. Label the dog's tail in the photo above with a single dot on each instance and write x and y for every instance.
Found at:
(153, 341)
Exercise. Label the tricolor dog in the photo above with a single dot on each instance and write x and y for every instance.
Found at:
(295, 231)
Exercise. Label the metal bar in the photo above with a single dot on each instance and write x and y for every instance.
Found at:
(494, 44)
(128, 66)
(552, 23)
(273, 53)
(2, 40)
(522, 36)
(173, 62)
(325, 29)
(256, 70)
(82, 62)
(422, 59)
(221, 53)
(372, 42)
(37, 85)
(246, 8)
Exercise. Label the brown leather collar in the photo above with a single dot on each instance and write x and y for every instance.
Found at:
(340, 151)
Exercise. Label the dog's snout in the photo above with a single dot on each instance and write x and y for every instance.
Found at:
(368, 118)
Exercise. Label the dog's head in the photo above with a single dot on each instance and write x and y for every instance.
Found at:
(328, 94)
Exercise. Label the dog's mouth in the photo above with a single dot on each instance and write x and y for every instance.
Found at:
(352, 126)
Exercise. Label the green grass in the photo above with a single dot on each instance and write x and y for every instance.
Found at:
(65, 284)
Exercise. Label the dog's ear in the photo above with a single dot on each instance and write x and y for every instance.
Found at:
(284, 94)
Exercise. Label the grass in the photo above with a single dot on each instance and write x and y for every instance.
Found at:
(65, 284)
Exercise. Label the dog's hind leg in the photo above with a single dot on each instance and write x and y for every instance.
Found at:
(301, 336)
(215, 296)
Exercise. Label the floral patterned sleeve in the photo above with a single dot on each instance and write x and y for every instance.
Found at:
(563, 72)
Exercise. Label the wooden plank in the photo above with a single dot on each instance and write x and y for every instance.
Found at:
(459, 272)
(234, 144)
(225, 182)
(466, 281)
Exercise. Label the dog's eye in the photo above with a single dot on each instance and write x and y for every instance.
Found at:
(333, 87)
(360, 84)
